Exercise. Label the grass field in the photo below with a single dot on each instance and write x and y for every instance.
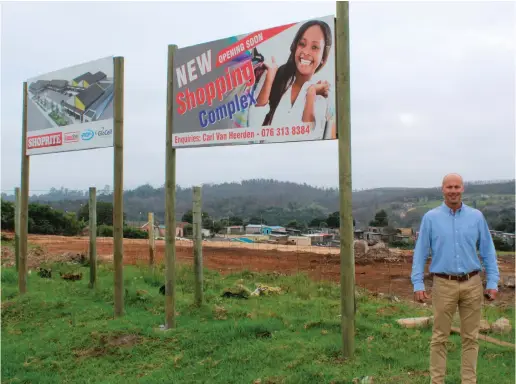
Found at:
(64, 332)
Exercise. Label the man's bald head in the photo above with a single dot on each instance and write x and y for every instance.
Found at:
(453, 177)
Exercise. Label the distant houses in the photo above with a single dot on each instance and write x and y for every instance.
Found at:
(385, 234)
(309, 237)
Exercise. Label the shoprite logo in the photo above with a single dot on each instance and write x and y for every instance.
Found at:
(43, 141)
(87, 135)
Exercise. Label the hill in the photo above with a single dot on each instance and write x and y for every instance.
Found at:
(280, 202)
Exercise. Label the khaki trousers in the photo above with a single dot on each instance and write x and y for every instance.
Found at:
(446, 296)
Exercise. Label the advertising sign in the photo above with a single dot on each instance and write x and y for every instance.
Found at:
(270, 86)
(71, 109)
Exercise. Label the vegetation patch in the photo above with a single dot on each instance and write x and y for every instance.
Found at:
(62, 331)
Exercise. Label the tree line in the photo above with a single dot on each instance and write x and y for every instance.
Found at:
(45, 220)
(281, 203)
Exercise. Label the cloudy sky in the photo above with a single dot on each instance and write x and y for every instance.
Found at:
(432, 91)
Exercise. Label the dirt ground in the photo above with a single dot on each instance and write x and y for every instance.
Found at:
(389, 274)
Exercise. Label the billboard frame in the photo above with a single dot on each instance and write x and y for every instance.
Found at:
(118, 148)
(343, 121)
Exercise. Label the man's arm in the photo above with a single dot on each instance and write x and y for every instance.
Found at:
(421, 254)
(488, 255)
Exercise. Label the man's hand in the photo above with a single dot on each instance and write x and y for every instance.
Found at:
(421, 296)
(490, 294)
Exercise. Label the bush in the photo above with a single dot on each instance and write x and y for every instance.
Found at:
(105, 230)
(501, 245)
(401, 244)
(7, 215)
(44, 220)
(133, 233)
(129, 232)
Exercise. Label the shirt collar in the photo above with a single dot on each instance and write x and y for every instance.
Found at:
(450, 211)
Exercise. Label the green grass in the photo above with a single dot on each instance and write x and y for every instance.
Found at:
(64, 332)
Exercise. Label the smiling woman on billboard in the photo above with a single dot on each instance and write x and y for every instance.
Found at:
(289, 92)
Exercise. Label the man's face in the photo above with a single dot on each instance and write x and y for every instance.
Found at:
(452, 190)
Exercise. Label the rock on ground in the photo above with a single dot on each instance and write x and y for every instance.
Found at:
(415, 322)
(502, 325)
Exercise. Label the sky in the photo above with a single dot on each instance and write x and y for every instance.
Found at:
(432, 91)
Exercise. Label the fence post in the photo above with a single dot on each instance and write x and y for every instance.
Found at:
(170, 201)
(118, 192)
(24, 201)
(17, 226)
(197, 235)
(347, 257)
(152, 242)
(93, 236)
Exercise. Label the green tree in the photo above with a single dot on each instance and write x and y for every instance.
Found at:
(104, 213)
(7, 215)
(217, 227)
(235, 220)
(333, 220)
(294, 224)
(380, 219)
(188, 216)
(506, 224)
(45, 220)
(316, 223)
(256, 220)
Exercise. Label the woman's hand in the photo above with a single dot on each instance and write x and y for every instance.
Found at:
(321, 88)
(272, 67)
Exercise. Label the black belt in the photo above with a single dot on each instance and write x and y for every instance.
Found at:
(465, 277)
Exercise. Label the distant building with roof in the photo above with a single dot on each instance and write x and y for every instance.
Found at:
(253, 229)
(92, 100)
(261, 229)
(58, 85)
(87, 79)
(38, 86)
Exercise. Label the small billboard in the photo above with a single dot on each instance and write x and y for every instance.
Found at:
(270, 86)
(71, 109)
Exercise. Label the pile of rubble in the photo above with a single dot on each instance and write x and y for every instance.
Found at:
(365, 254)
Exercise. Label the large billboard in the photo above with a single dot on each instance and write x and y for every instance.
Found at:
(270, 86)
(71, 109)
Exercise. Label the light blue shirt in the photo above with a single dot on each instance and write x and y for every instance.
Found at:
(453, 238)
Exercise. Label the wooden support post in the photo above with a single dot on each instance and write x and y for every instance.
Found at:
(170, 202)
(93, 236)
(152, 242)
(24, 201)
(197, 248)
(17, 226)
(118, 194)
(347, 257)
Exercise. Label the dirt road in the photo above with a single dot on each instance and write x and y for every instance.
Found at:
(319, 263)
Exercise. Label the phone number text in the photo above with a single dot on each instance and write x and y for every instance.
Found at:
(286, 131)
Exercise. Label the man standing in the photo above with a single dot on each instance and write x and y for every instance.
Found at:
(451, 232)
